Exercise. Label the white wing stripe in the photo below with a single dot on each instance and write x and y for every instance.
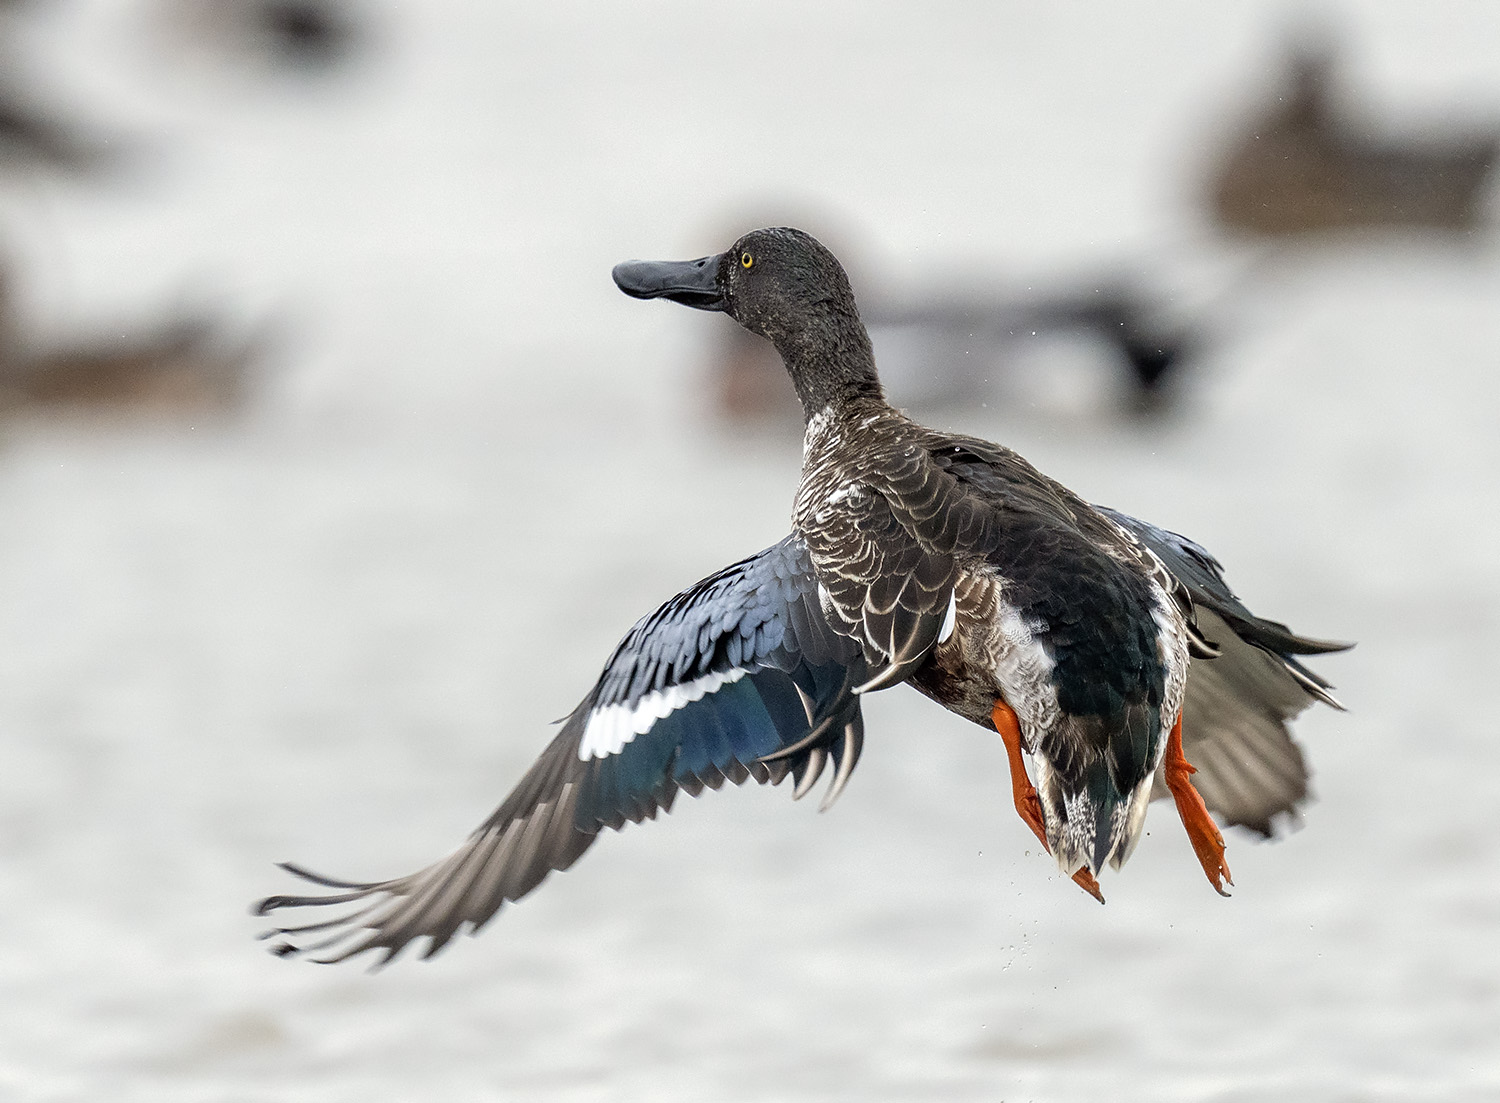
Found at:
(611, 728)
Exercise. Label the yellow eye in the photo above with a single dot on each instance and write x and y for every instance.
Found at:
(746, 260)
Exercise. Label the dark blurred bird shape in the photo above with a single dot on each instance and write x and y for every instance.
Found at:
(1103, 647)
(186, 367)
(1304, 166)
(33, 133)
(310, 36)
(925, 331)
(183, 366)
(28, 135)
(34, 136)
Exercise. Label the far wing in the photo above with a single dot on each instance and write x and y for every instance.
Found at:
(1235, 731)
(737, 677)
(1238, 705)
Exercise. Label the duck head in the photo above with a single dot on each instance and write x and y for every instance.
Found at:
(786, 286)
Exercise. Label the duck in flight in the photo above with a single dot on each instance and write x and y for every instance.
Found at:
(1100, 647)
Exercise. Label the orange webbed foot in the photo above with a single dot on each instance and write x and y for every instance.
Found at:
(1203, 833)
(1028, 804)
(1085, 880)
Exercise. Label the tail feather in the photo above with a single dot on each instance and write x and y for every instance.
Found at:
(1090, 821)
(1094, 780)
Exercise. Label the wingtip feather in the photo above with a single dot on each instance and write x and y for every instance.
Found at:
(846, 755)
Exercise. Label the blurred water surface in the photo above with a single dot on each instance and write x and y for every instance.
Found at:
(337, 627)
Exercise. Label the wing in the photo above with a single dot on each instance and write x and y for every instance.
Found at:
(739, 677)
(1238, 704)
(1235, 731)
(888, 557)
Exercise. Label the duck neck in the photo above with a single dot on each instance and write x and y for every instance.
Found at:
(832, 367)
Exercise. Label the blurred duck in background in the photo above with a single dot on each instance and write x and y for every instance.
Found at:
(181, 366)
(33, 132)
(303, 36)
(940, 347)
(1304, 164)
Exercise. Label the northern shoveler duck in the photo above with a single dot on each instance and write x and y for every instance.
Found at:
(1091, 641)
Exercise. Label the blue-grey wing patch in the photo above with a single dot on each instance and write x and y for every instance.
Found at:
(1238, 704)
(737, 677)
(1203, 577)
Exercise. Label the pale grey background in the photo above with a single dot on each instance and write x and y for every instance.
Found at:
(336, 629)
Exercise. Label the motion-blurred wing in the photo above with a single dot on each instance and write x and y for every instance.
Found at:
(740, 667)
(1235, 715)
(1234, 731)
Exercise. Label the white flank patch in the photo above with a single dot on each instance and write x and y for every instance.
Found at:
(1173, 647)
(950, 618)
(1024, 670)
(611, 728)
